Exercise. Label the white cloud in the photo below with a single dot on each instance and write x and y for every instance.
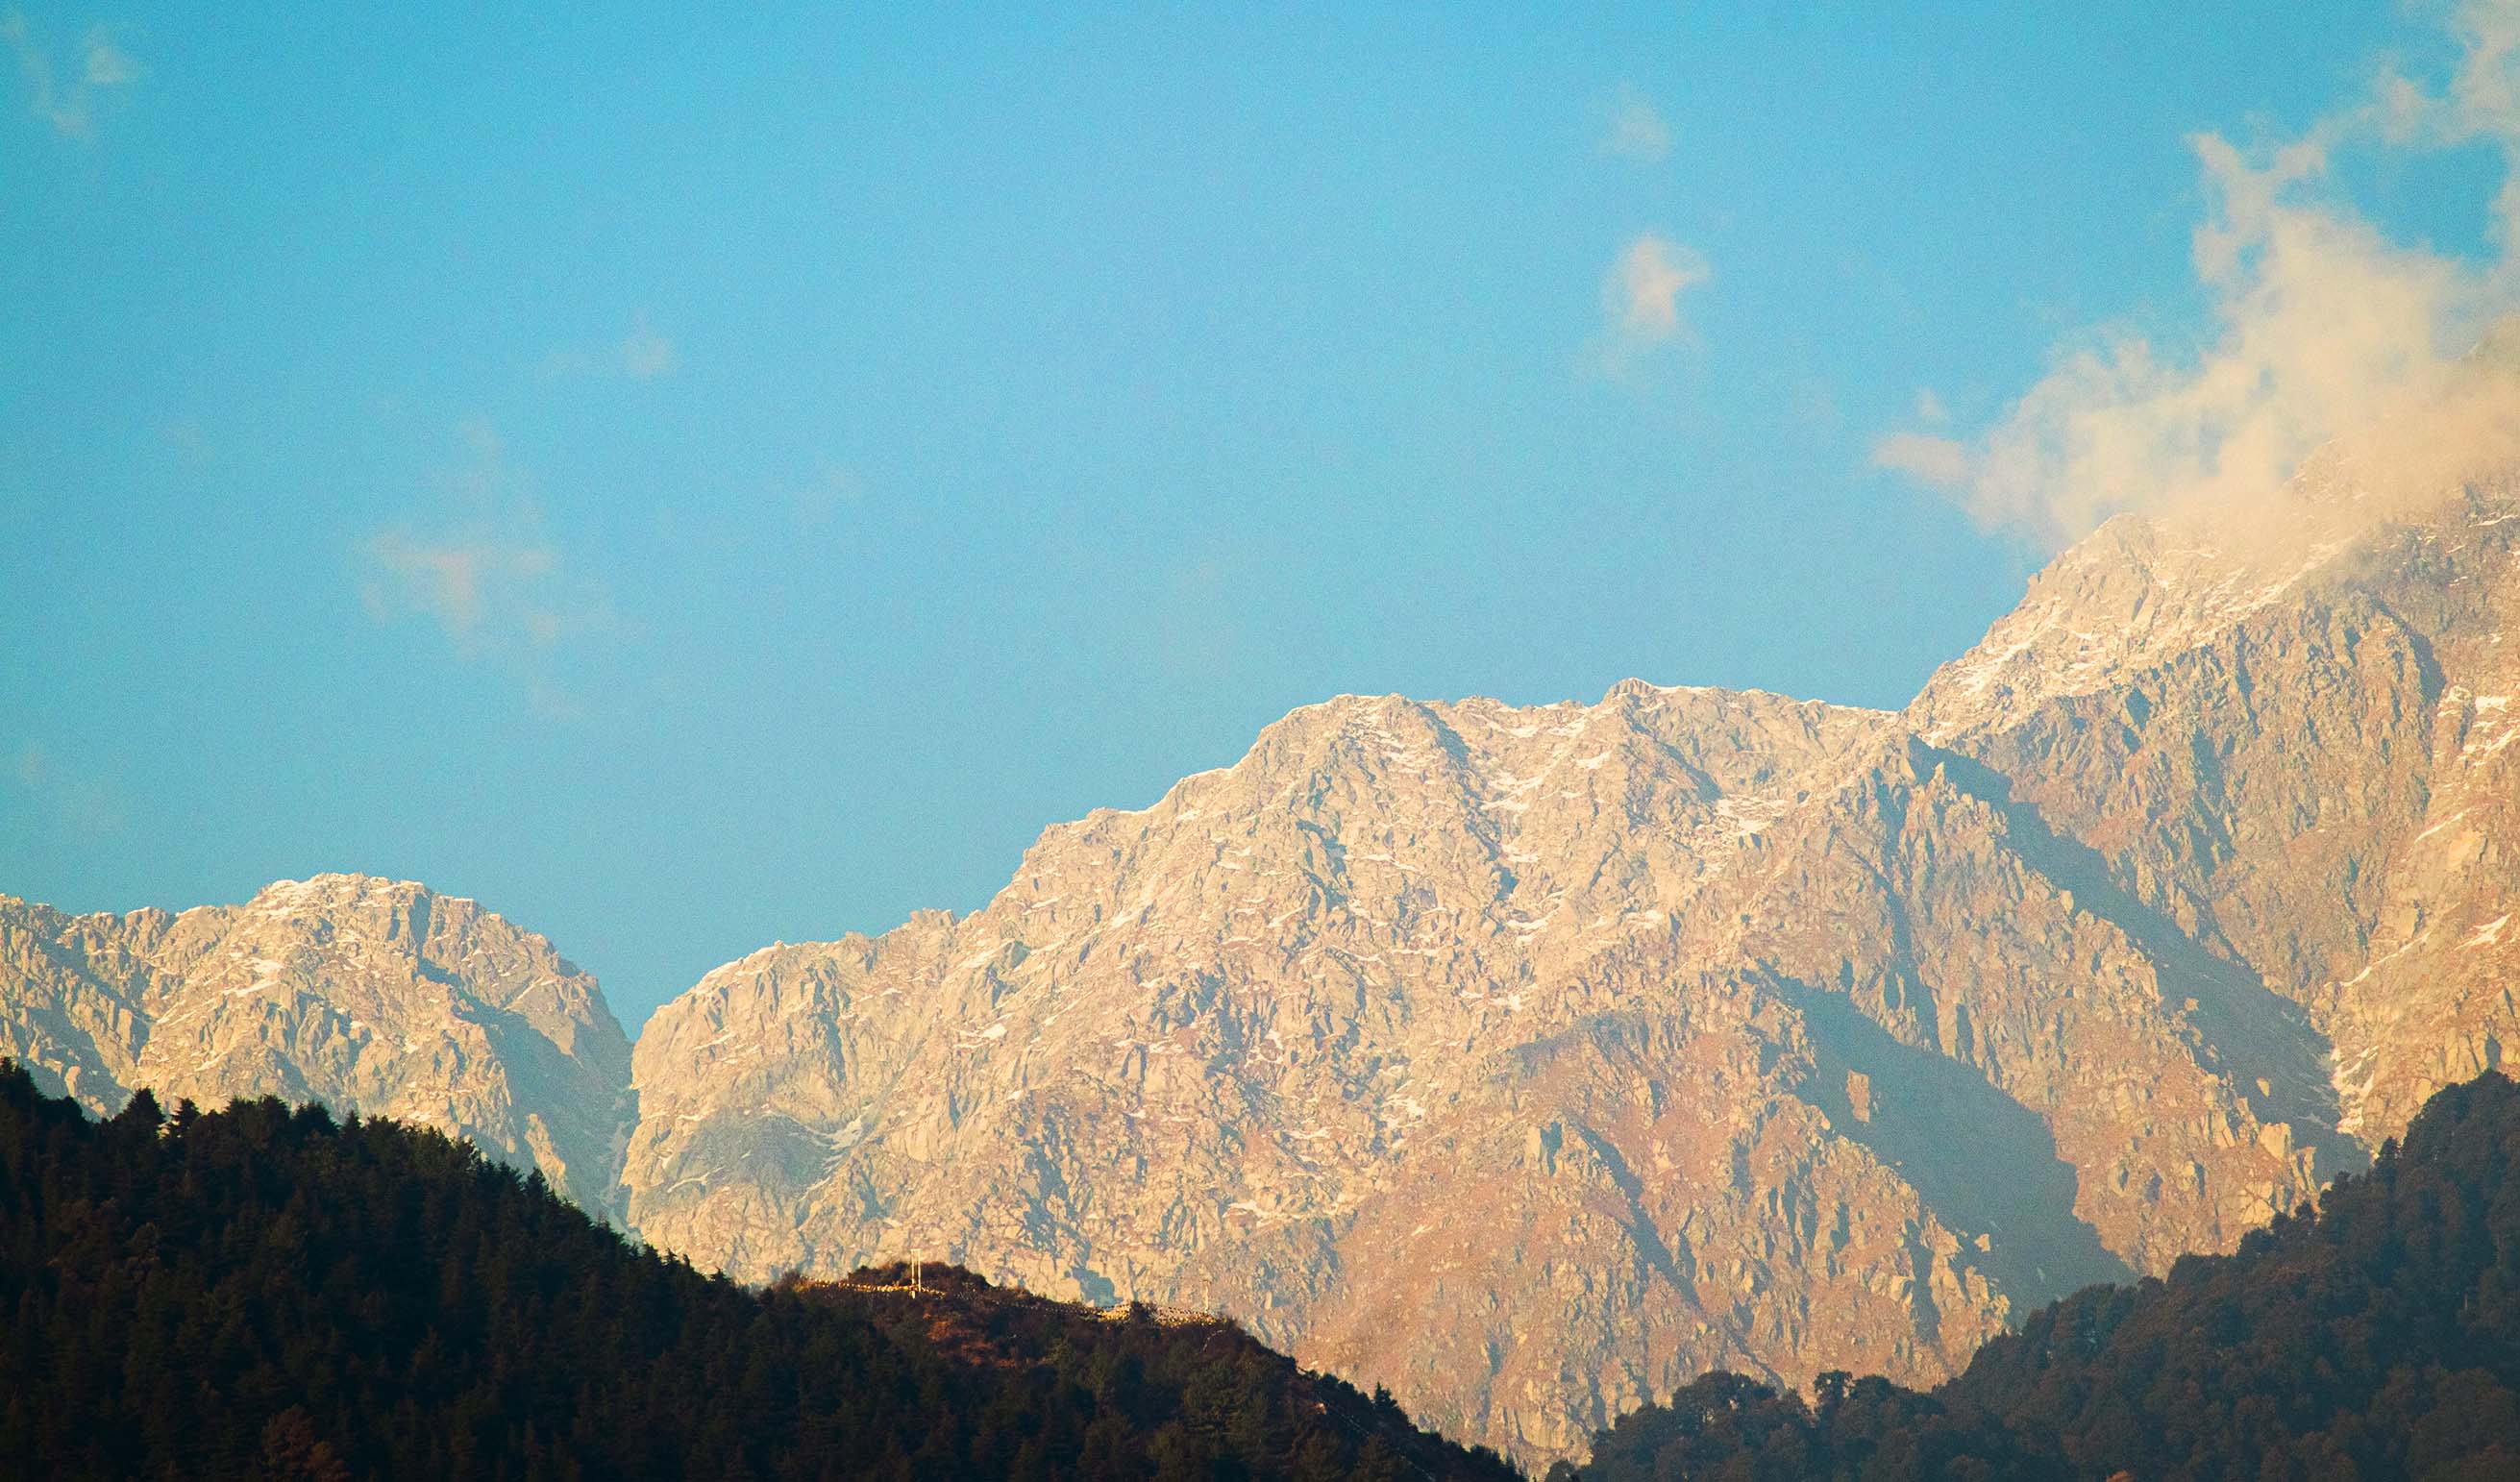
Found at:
(107, 66)
(816, 504)
(1641, 296)
(460, 581)
(67, 99)
(1637, 132)
(2323, 332)
(85, 803)
(1931, 408)
(1938, 462)
(643, 355)
(1198, 634)
(480, 565)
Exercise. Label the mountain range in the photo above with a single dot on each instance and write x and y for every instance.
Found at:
(1533, 1060)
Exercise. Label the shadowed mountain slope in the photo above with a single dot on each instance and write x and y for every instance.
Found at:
(1758, 1033)
(1533, 1060)
(2377, 1336)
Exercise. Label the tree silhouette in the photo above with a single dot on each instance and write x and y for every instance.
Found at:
(265, 1292)
(2374, 1336)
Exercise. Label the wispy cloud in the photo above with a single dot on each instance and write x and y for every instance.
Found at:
(462, 582)
(2324, 332)
(83, 802)
(1636, 131)
(64, 90)
(106, 65)
(818, 502)
(188, 437)
(1938, 462)
(1198, 634)
(1641, 298)
(481, 566)
(643, 355)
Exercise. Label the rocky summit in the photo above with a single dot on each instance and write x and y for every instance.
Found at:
(1531, 1061)
(1534, 1061)
(367, 995)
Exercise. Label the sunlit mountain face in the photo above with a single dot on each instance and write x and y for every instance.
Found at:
(1012, 584)
(1763, 1033)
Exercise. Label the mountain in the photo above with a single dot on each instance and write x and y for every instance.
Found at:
(362, 993)
(2377, 1335)
(1533, 1060)
(2304, 766)
(263, 1292)
(1260, 1047)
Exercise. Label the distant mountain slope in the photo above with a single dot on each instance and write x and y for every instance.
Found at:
(2379, 1337)
(2318, 789)
(265, 1292)
(1757, 1033)
(1532, 1060)
(364, 994)
(1260, 1049)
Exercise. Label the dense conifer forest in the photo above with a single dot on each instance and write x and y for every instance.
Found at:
(2375, 1336)
(267, 1293)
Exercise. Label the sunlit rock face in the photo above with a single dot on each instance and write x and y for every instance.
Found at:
(1531, 1060)
(367, 995)
(2306, 775)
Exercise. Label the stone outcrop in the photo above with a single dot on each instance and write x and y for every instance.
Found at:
(364, 994)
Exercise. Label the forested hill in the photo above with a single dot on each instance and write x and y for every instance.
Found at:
(265, 1292)
(2378, 1336)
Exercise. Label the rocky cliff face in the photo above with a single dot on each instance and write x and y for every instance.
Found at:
(364, 994)
(2314, 790)
(1532, 1060)
(1379, 1040)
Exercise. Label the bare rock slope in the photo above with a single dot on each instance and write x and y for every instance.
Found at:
(364, 994)
(1531, 1060)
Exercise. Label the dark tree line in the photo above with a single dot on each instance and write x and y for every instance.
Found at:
(2374, 1336)
(266, 1292)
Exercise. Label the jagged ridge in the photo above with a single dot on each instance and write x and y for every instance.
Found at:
(1532, 1060)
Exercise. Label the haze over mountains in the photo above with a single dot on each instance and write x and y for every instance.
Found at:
(1533, 1060)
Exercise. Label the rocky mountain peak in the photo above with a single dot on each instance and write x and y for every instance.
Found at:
(370, 995)
(1532, 1059)
(1716, 1006)
(2143, 590)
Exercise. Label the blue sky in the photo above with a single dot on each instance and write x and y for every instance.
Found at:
(690, 479)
